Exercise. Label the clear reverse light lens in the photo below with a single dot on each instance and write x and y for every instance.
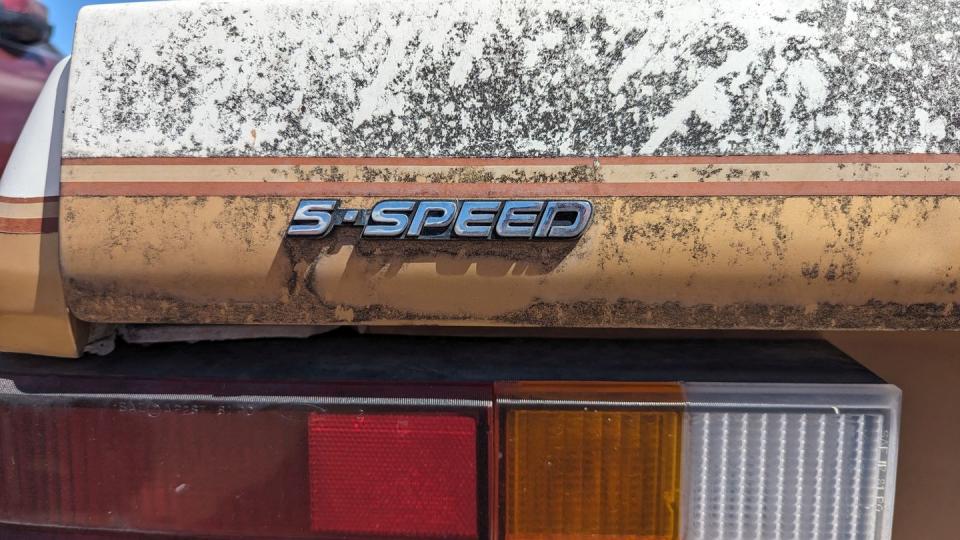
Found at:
(790, 462)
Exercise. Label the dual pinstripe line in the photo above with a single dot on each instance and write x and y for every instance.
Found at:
(907, 174)
(29, 215)
(654, 176)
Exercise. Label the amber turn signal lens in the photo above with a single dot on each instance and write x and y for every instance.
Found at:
(595, 470)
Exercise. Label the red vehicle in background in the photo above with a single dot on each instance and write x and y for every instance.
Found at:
(26, 58)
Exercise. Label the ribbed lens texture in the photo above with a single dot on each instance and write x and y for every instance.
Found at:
(591, 474)
(783, 476)
(389, 475)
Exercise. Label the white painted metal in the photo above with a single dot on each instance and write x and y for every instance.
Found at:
(34, 166)
(514, 77)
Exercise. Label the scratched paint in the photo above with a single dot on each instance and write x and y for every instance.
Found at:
(514, 78)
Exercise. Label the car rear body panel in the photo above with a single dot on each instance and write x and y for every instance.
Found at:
(749, 167)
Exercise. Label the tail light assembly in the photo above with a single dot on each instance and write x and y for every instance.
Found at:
(511, 460)
(697, 461)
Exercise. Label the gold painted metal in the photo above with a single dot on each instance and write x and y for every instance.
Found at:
(33, 314)
(763, 262)
(582, 170)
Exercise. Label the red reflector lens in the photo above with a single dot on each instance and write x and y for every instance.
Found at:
(393, 475)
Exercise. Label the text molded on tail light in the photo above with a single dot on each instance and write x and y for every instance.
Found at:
(244, 466)
(589, 460)
(698, 461)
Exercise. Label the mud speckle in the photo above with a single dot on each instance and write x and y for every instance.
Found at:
(874, 314)
(670, 262)
(515, 78)
(103, 304)
(810, 271)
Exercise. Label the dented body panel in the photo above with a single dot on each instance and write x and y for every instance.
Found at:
(749, 166)
(677, 254)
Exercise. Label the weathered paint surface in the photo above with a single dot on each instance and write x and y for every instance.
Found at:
(515, 78)
(707, 262)
(513, 171)
(700, 130)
